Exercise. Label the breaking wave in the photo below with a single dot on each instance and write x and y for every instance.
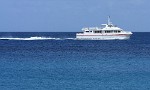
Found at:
(36, 38)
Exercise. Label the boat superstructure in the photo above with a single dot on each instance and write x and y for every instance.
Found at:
(105, 32)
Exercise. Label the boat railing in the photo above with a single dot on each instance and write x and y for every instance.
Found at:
(92, 28)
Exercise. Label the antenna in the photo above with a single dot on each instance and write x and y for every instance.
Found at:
(109, 20)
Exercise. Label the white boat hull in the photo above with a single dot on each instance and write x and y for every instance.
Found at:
(103, 37)
(106, 32)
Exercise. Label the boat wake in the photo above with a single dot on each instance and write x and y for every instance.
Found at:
(36, 38)
(48, 38)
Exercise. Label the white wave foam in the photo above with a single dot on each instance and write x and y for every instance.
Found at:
(71, 38)
(35, 38)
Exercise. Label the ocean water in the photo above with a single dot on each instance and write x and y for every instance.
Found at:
(57, 61)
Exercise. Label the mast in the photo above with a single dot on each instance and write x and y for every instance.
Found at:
(109, 20)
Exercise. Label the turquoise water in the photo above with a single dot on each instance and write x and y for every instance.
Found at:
(59, 62)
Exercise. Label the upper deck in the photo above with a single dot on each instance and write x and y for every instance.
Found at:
(105, 28)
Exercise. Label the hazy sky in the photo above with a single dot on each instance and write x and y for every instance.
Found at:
(72, 15)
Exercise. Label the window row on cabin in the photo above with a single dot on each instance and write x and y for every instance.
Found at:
(108, 31)
(88, 31)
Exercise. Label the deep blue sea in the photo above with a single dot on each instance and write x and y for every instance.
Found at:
(57, 61)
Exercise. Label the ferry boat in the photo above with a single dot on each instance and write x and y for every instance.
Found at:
(105, 32)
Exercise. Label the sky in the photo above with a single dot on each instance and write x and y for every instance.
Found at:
(72, 15)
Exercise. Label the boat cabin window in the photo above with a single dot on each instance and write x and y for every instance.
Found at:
(117, 31)
(108, 31)
(97, 31)
(110, 25)
(86, 31)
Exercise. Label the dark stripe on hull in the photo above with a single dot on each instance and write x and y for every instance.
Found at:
(107, 35)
